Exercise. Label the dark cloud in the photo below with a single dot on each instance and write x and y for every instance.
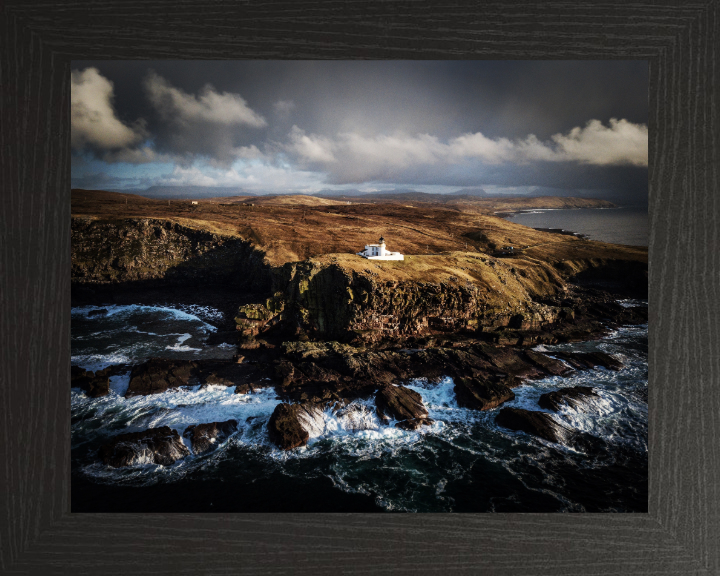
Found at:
(398, 122)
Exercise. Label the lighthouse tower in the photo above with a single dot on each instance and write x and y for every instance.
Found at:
(379, 252)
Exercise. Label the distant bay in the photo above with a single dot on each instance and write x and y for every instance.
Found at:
(623, 225)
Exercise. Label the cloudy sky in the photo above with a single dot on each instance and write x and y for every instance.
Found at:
(307, 126)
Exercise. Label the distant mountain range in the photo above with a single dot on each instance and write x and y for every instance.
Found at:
(471, 192)
(397, 195)
(188, 192)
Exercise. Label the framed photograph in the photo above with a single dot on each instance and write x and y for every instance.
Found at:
(359, 286)
(264, 264)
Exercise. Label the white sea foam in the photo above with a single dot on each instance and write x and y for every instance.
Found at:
(176, 408)
(206, 312)
(178, 346)
(127, 310)
(632, 302)
(99, 361)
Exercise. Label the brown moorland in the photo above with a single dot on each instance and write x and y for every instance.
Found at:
(293, 228)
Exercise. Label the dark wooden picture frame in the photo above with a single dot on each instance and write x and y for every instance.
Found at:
(679, 535)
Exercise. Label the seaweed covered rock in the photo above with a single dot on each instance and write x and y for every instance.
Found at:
(539, 424)
(292, 425)
(571, 396)
(253, 319)
(481, 394)
(205, 437)
(157, 375)
(155, 445)
(402, 404)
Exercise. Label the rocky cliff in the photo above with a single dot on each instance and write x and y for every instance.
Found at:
(113, 251)
(346, 298)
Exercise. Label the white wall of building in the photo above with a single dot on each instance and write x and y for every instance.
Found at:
(387, 256)
(379, 252)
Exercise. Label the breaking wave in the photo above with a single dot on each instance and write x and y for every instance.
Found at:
(462, 462)
(103, 336)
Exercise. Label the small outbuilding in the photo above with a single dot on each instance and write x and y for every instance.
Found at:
(379, 252)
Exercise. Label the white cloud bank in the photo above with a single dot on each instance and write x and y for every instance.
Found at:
(92, 116)
(353, 158)
(253, 177)
(210, 106)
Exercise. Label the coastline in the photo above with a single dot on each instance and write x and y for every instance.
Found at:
(623, 225)
(335, 351)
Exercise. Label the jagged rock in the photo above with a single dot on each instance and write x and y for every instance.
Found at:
(572, 360)
(606, 310)
(536, 423)
(634, 315)
(204, 437)
(510, 361)
(414, 423)
(400, 403)
(601, 359)
(95, 384)
(511, 337)
(550, 365)
(570, 396)
(157, 375)
(292, 425)
(286, 372)
(352, 372)
(213, 379)
(481, 394)
(580, 332)
(585, 360)
(156, 445)
(246, 376)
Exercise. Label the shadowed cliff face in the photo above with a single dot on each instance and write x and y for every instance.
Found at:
(346, 298)
(335, 302)
(106, 252)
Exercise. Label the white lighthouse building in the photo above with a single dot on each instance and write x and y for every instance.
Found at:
(379, 252)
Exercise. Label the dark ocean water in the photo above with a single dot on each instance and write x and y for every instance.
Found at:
(624, 225)
(463, 463)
